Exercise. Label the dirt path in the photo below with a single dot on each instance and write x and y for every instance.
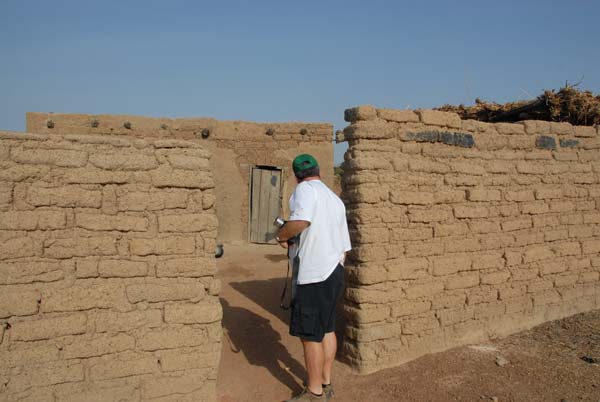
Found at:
(262, 363)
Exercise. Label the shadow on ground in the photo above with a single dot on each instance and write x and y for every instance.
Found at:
(245, 330)
(267, 294)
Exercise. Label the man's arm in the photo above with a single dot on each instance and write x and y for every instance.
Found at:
(291, 229)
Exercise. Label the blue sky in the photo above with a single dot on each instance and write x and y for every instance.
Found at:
(283, 60)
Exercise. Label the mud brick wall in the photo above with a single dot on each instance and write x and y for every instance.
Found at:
(236, 146)
(465, 231)
(107, 288)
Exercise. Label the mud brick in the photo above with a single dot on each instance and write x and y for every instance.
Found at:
(124, 322)
(454, 229)
(585, 131)
(449, 300)
(591, 218)
(591, 247)
(431, 214)
(152, 201)
(462, 281)
(449, 196)
(117, 369)
(46, 375)
(172, 338)
(411, 198)
(366, 314)
(562, 206)
(484, 226)
(581, 232)
(495, 278)
(485, 311)
(122, 268)
(554, 235)
(516, 224)
(101, 394)
(483, 194)
(419, 323)
(163, 246)
(534, 207)
(31, 355)
(100, 222)
(198, 313)
(510, 128)
(553, 267)
(488, 260)
(19, 247)
(513, 257)
(467, 168)
(375, 331)
(438, 118)
(545, 142)
(167, 177)
(483, 294)
(565, 280)
(519, 195)
(400, 116)
(428, 166)
(165, 291)
(547, 297)
(589, 277)
(48, 328)
(18, 303)
(205, 356)
(365, 112)
(539, 253)
(80, 247)
(418, 290)
(566, 249)
(124, 160)
(84, 298)
(68, 196)
(367, 163)
(186, 267)
(98, 346)
(23, 272)
(406, 268)
(451, 264)
(467, 211)
(56, 157)
(452, 316)
(374, 129)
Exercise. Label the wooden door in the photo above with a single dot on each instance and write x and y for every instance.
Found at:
(265, 203)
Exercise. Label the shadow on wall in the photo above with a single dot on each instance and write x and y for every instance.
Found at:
(246, 330)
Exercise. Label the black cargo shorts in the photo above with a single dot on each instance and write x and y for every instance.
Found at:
(313, 308)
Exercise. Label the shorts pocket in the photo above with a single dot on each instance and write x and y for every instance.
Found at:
(304, 321)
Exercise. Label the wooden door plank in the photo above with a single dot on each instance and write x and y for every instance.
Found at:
(274, 202)
(264, 205)
(254, 234)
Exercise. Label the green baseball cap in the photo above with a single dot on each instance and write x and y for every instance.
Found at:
(303, 162)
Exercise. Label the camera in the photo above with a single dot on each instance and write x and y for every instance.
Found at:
(279, 222)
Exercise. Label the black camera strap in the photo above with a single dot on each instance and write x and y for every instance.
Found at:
(295, 266)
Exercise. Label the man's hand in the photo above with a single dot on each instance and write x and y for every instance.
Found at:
(283, 244)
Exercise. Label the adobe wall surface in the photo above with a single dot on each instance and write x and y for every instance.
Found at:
(465, 231)
(236, 146)
(107, 287)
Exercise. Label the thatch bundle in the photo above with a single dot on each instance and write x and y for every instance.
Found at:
(569, 104)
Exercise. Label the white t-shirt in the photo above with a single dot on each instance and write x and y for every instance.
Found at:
(324, 242)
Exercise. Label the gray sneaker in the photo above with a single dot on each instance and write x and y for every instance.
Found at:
(306, 395)
(328, 391)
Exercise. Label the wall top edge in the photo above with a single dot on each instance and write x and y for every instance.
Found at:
(147, 121)
(121, 141)
(448, 119)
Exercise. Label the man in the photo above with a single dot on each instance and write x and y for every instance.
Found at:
(318, 216)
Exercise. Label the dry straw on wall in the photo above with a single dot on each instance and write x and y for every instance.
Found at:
(465, 231)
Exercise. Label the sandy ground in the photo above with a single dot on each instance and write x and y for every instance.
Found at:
(261, 362)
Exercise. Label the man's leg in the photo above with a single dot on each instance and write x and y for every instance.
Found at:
(329, 350)
(314, 358)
